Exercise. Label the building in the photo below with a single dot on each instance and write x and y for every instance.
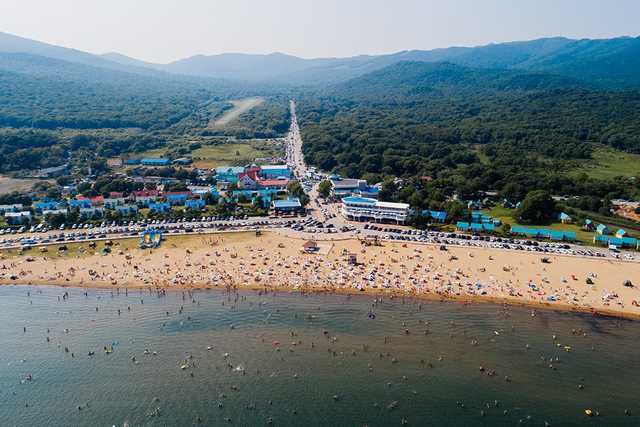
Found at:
(367, 209)
(155, 162)
(177, 198)
(127, 210)
(621, 233)
(435, 216)
(15, 218)
(286, 206)
(228, 174)
(543, 233)
(91, 213)
(195, 204)
(183, 161)
(275, 172)
(46, 205)
(476, 227)
(617, 242)
(588, 225)
(79, 203)
(160, 207)
(114, 203)
(602, 230)
(54, 212)
(565, 218)
(51, 172)
(352, 187)
(11, 208)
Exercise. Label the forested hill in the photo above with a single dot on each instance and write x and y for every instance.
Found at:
(412, 80)
(48, 93)
(469, 129)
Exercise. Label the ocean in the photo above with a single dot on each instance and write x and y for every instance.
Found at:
(245, 359)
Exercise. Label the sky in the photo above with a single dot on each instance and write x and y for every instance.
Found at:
(167, 30)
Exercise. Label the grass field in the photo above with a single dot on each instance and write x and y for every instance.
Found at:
(7, 185)
(240, 107)
(234, 153)
(608, 163)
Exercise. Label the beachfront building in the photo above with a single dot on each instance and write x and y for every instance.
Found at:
(275, 172)
(617, 242)
(543, 233)
(15, 218)
(435, 216)
(476, 227)
(158, 162)
(291, 205)
(367, 209)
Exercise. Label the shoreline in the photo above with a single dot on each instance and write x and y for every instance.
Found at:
(273, 262)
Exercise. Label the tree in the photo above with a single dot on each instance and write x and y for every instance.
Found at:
(324, 189)
(295, 190)
(537, 208)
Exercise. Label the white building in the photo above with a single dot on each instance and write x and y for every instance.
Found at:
(366, 209)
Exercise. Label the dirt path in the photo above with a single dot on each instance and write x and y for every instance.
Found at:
(240, 107)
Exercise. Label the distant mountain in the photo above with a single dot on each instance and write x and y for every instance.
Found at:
(129, 61)
(609, 63)
(14, 44)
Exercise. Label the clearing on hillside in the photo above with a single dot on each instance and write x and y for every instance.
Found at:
(240, 107)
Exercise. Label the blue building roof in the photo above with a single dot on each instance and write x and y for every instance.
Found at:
(287, 204)
(359, 200)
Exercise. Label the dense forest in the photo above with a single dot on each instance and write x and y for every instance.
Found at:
(47, 93)
(451, 129)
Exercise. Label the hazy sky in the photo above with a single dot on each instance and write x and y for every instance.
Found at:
(165, 30)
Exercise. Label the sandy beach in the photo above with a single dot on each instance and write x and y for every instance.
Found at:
(275, 262)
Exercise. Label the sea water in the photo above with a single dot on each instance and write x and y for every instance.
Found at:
(220, 358)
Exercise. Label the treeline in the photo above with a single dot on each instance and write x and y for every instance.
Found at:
(29, 149)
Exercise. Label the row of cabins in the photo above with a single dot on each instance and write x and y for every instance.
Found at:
(96, 207)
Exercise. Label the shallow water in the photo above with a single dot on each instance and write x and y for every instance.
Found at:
(426, 379)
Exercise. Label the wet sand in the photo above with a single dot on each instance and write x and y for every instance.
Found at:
(275, 262)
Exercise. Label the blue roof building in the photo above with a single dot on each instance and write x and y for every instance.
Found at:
(160, 207)
(602, 229)
(46, 205)
(195, 204)
(565, 218)
(275, 171)
(289, 205)
(82, 204)
(176, 199)
(228, 173)
(155, 162)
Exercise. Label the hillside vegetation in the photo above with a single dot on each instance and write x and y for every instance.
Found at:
(469, 130)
